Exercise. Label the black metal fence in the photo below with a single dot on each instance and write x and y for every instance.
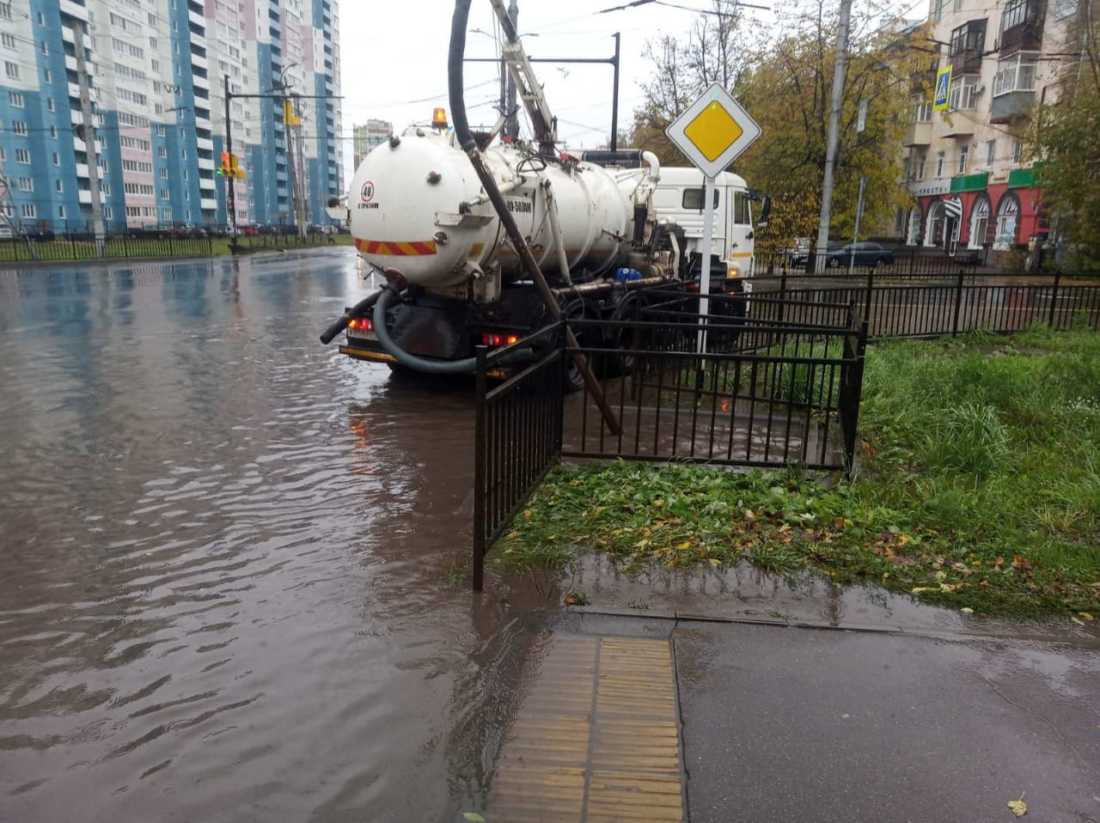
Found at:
(84, 247)
(518, 433)
(948, 305)
(756, 394)
(728, 392)
(78, 247)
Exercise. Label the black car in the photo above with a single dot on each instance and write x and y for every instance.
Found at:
(863, 254)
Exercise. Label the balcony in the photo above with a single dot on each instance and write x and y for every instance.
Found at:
(68, 36)
(208, 204)
(1021, 26)
(200, 83)
(204, 144)
(75, 9)
(956, 125)
(206, 183)
(196, 19)
(81, 169)
(199, 61)
(85, 196)
(1015, 105)
(206, 163)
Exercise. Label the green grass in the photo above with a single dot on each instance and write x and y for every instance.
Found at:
(978, 486)
(118, 249)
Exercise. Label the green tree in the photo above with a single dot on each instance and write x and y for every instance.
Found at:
(785, 84)
(1066, 140)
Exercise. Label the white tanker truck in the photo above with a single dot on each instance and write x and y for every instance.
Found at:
(602, 227)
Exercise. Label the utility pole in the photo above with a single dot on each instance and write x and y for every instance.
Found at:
(511, 127)
(615, 98)
(88, 120)
(299, 171)
(834, 136)
(231, 191)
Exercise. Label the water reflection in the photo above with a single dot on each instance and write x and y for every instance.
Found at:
(224, 554)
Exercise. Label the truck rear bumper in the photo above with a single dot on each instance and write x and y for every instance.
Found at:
(363, 350)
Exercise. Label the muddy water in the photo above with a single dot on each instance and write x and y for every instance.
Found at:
(225, 553)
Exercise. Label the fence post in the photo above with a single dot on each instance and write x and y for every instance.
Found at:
(782, 295)
(1054, 298)
(912, 263)
(479, 475)
(867, 295)
(958, 305)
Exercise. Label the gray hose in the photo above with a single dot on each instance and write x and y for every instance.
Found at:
(411, 360)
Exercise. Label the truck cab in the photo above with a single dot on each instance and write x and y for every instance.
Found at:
(679, 199)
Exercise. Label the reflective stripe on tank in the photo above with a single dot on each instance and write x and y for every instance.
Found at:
(396, 248)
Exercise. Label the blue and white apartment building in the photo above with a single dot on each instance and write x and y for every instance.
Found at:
(154, 72)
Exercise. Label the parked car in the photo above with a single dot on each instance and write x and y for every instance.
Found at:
(863, 254)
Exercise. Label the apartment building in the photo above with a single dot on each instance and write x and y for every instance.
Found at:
(149, 81)
(367, 136)
(967, 166)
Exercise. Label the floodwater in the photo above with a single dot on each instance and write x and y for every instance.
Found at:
(228, 555)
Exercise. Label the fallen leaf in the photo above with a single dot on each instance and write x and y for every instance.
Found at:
(683, 546)
(1018, 807)
(967, 610)
(1020, 562)
(474, 817)
(1086, 616)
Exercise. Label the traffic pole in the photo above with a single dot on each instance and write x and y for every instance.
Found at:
(704, 273)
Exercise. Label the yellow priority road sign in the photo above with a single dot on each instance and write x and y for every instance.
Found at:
(713, 130)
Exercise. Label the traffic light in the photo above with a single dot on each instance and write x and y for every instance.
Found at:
(230, 167)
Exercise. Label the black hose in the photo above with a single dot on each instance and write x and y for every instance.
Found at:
(421, 364)
(454, 76)
(358, 310)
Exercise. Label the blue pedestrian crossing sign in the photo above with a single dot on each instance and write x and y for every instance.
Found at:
(943, 89)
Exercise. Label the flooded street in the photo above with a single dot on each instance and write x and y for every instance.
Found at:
(231, 561)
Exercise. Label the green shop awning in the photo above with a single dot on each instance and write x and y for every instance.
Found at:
(969, 182)
(1021, 178)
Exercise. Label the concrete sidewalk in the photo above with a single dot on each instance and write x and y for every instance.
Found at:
(796, 724)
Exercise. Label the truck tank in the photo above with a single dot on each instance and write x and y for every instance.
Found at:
(417, 205)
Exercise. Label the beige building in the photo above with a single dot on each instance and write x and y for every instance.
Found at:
(967, 166)
(369, 135)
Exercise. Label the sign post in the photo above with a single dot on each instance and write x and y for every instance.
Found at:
(712, 132)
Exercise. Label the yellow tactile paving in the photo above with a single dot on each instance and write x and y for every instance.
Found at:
(597, 738)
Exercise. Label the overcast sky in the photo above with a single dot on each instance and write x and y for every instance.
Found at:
(395, 51)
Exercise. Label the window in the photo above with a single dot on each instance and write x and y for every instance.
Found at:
(990, 152)
(47, 75)
(50, 104)
(25, 184)
(922, 111)
(1017, 74)
(7, 40)
(53, 132)
(107, 213)
(1007, 214)
(918, 166)
(5, 11)
(59, 186)
(964, 93)
(11, 70)
(15, 99)
(61, 212)
(164, 173)
(1014, 14)
(1065, 8)
(56, 158)
(939, 164)
(964, 153)
(1017, 152)
(19, 126)
(742, 214)
(29, 210)
(968, 38)
(45, 47)
(693, 199)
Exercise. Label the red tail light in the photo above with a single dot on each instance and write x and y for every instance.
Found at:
(360, 324)
(494, 339)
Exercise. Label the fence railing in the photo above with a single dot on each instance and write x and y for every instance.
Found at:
(947, 305)
(898, 262)
(75, 248)
(518, 432)
(758, 395)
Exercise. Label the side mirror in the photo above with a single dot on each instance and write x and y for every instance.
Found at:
(765, 211)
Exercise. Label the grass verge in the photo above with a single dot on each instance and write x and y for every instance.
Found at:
(979, 487)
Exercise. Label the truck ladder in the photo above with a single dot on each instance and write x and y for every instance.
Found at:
(527, 85)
